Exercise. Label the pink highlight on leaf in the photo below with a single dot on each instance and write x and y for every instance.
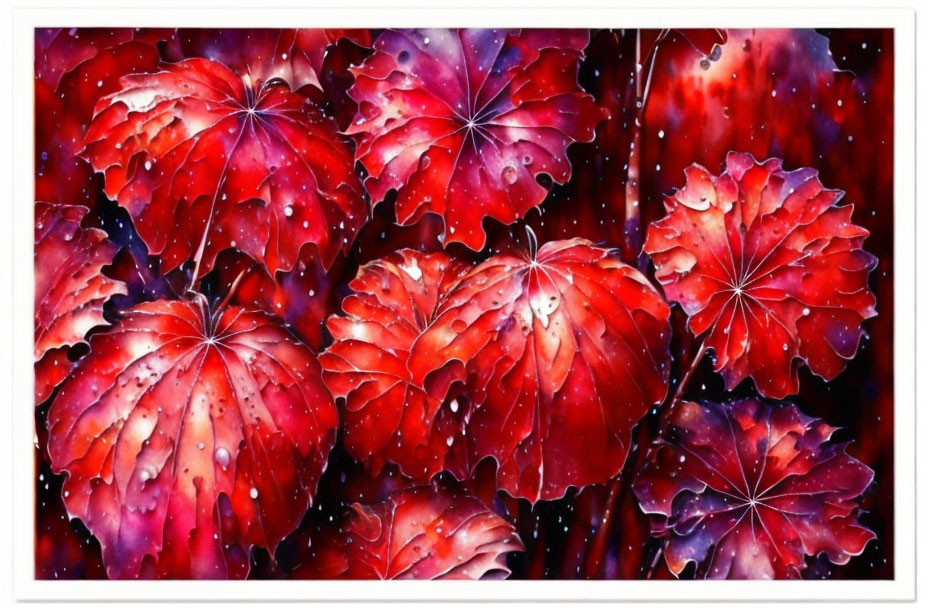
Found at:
(419, 533)
(189, 436)
(461, 122)
(769, 269)
(199, 155)
(750, 489)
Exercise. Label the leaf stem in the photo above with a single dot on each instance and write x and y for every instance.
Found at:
(681, 386)
(632, 188)
(600, 543)
(232, 289)
(532, 242)
(633, 232)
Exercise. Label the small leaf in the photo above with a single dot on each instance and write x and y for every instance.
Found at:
(420, 533)
(749, 489)
(769, 269)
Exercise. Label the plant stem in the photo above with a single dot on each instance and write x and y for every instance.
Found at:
(633, 232)
(656, 560)
(633, 245)
(598, 550)
(232, 288)
(632, 187)
(681, 386)
(617, 484)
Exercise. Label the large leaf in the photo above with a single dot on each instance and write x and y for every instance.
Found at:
(768, 267)
(560, 354)
(749, 489)
(189, 436)
(70, 289)
(202, 157)
(387, 417)
(417, 533)
(462, 122)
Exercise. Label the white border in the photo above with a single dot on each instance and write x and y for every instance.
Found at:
(21, 549)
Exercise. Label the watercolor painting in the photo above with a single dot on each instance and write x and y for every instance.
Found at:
(464, 304)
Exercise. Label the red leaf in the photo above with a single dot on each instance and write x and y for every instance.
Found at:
(560, 354)
(387, 417)
(59, 51)
(70, 290)
(747, 490)
(418, 533)
(197, 149)
(461, 122)
(188, 437)
(295, 55)
(768, 268)
(73, 69)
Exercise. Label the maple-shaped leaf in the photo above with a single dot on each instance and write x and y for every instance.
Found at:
(462, 122)
(205, 159)
(749, 489)
(294, 55)
(387, 417)
(70, 289)
(188, 436)
(419, 533)
(561, 353)
(74, 68)
(768, 267)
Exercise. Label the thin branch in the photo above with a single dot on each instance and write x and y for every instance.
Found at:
(687, 376)
(600, 542)
(633, 232)
(232, 289)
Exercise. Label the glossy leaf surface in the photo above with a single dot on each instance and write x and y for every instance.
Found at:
(560, 355)
(204, 158)
(749, 489)
(188, 437)
(388, 417)
(419, 533)
(768, 267)
(70, 288)
(462, 122)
